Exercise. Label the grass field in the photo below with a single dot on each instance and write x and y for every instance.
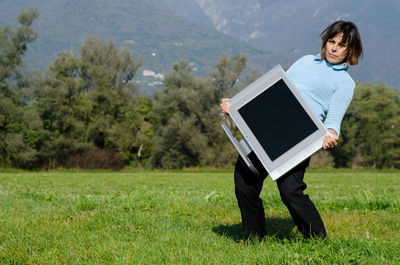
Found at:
(128, 217)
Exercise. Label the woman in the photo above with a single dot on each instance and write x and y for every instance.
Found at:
(326, 86)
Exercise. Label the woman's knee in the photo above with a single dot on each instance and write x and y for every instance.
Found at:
(247, 191)
(291, 190)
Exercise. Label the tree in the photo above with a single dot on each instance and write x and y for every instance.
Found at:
(227, 73)
(13, 44)
(89, 102)
(63, 108)
(113, 120)
(371, 129)
(20, 126)
(171, 143)
(187, 118)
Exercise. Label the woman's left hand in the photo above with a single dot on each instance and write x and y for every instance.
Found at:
(225, 105)
(330, 140)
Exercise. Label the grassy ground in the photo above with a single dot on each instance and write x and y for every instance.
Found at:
(190, 218)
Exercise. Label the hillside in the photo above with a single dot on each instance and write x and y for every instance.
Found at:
(292, 27)
(152, 33)
(163, 31)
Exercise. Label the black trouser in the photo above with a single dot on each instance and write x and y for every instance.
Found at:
(291, 186)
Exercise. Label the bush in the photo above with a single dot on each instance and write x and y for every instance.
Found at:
(95, 158)
(322, 158)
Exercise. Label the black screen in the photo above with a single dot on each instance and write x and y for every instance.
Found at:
(277, 119)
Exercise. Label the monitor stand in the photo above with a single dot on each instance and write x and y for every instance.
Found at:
(243, 148)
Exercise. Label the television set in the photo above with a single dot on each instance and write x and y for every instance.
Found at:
(276, 123)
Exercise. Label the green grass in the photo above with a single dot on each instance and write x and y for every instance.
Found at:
(164, 218)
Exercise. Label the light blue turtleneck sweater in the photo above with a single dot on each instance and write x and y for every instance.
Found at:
(327, 88)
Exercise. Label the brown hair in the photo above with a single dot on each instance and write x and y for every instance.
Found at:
(351, 37)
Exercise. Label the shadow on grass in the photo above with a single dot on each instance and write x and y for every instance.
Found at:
(280, 228)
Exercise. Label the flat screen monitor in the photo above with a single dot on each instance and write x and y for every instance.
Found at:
(276, 123)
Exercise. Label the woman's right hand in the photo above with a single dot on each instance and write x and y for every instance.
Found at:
(331, 139)
(225, 105)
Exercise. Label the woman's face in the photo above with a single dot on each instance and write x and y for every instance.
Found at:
(335, 50)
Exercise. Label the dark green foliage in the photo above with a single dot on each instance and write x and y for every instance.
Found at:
(178, 140)
(107, 72)
(85, 112)
(19, 132)
(89, 102)
(63, 108)
(227, 74)
(20, 126)
(13, 45)
(371, 129)
(187, 117)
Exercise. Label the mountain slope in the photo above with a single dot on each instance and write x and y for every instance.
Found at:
(152, 32)
(292, 27)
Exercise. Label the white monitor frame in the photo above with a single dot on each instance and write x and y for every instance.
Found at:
(299, 152)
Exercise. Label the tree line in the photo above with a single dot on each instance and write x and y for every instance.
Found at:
(86, 112)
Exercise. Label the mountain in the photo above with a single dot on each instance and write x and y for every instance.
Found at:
(162, 32)
(153, 33)
(292, 28)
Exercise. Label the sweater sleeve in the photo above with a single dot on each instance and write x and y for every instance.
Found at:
(339, 103)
